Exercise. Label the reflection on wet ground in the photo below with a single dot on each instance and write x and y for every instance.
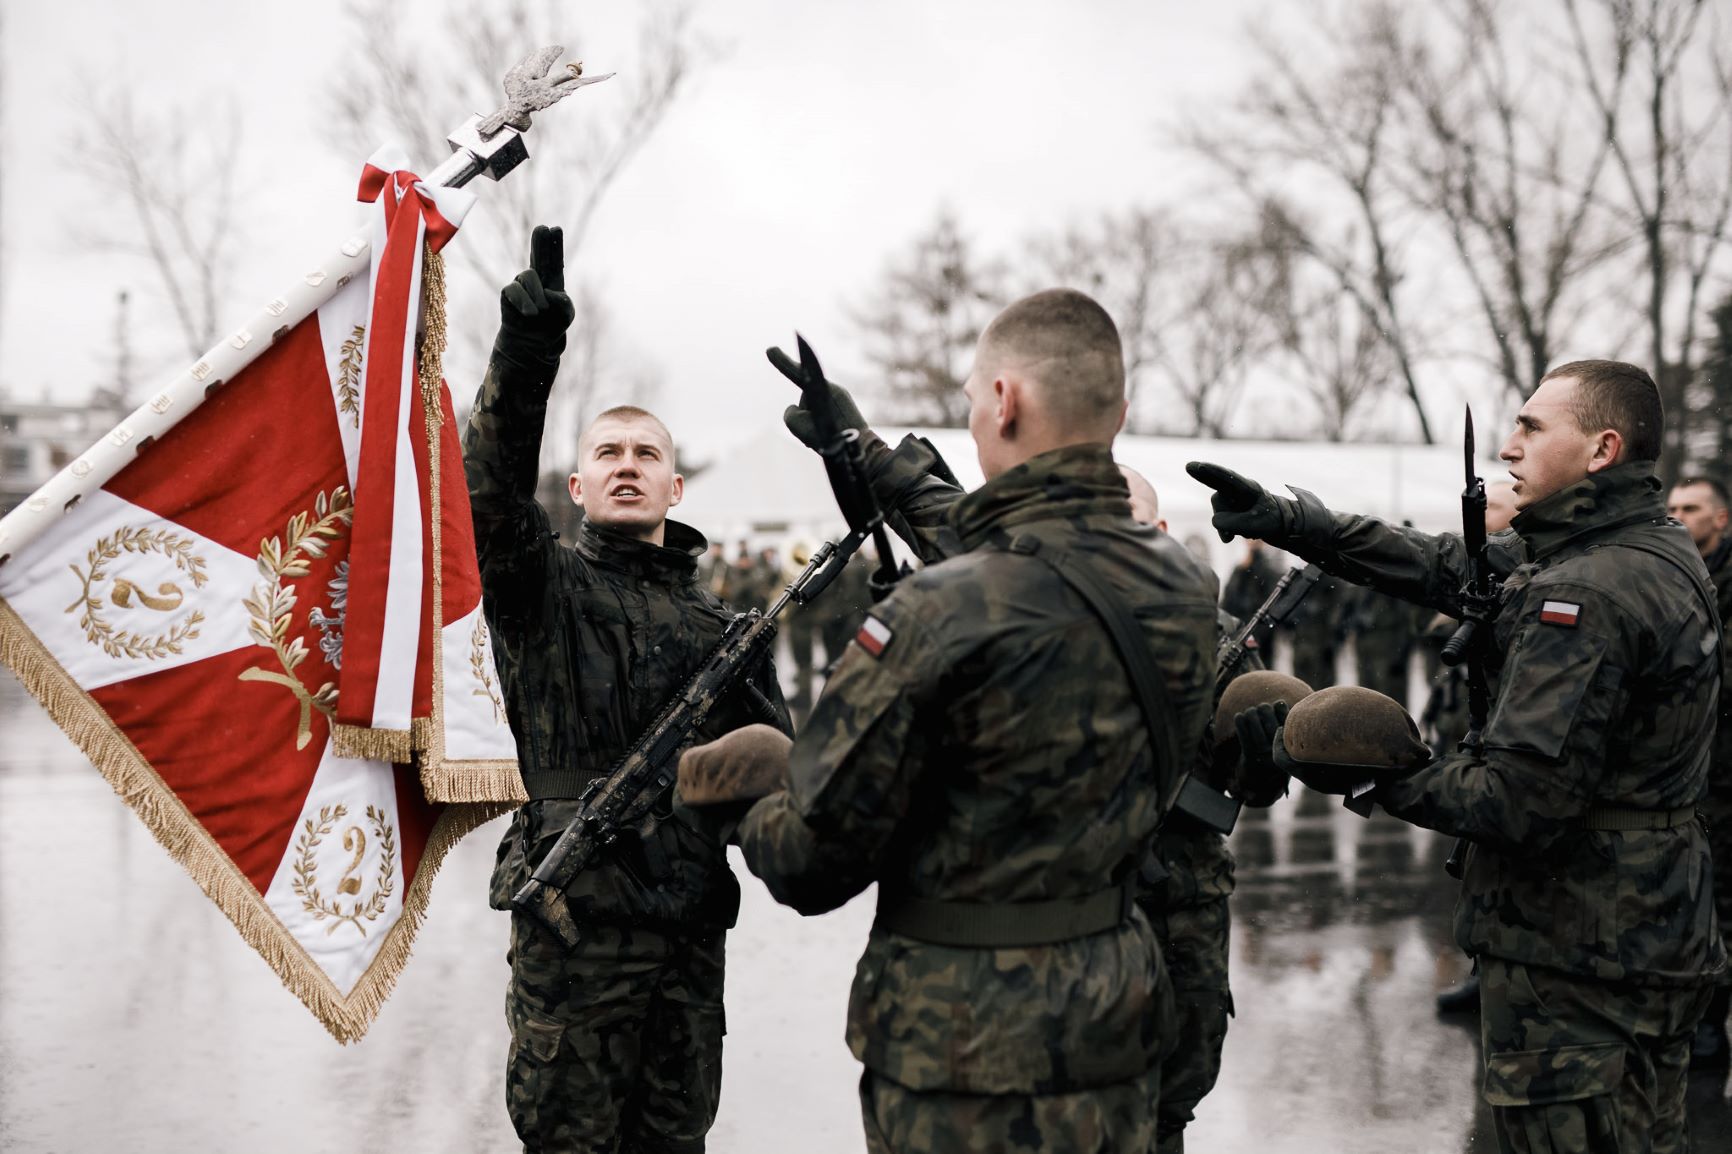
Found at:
(132, 1017)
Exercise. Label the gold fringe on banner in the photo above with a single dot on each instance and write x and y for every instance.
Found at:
(443, 780)
(347, 1017)
(394, 745)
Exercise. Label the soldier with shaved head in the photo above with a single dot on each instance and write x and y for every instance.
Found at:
(981, 754)
(616, 1044)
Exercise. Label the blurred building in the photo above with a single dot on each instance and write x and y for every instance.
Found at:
(38, 439)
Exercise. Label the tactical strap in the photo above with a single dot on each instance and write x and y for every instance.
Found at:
(1132, 646)
(1004, 925)
(1619, 820)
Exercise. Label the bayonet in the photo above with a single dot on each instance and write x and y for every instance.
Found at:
(1479, 608)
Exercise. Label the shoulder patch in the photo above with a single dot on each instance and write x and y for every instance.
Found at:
(1566, 613)
(874, 636)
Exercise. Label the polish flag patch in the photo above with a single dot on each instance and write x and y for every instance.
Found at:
(1561, 613)
(874, 636)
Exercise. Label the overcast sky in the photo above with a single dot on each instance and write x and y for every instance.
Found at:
(820, 142)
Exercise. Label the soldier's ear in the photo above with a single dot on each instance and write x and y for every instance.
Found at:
(1608, 450)
(679, 490)
(1007, 396)
(574, 484)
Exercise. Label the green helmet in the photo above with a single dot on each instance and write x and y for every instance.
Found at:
(1365, 733)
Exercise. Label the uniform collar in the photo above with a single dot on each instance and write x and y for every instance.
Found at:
(1076, 480)
(1715, 560)
(1621, 495)
(674, 562)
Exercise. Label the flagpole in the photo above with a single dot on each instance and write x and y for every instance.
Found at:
(491, 146)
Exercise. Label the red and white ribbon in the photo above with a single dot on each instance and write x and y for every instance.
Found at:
(382, 631)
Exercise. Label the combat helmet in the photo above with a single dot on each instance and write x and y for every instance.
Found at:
(1352, 735)
(1258, 784)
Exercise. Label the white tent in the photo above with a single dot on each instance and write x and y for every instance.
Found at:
(773, 487)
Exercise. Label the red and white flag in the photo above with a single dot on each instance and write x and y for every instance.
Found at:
(255, 606)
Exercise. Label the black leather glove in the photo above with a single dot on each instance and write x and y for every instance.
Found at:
(1257, 781)
(797, 418)
(534, 310)
(1243, 508)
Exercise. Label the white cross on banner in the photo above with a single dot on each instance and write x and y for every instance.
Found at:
(306, 746)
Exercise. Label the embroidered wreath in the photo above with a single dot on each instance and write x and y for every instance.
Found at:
(99, 631)
(305, 883)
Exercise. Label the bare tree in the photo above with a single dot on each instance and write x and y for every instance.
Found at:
(401, 84)
(1659, 75)
(1333, 136)
(176, 174)
(1499, 155)
(922, 322)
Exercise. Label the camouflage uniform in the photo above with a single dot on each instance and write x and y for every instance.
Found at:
(843, 607)
(1586, 895)
(1250, 584)
(1316, 634)
(1718, 808)
(1382, 639)
(948, 761)
(1188, 909)
(1187, 906)
(618, 1041)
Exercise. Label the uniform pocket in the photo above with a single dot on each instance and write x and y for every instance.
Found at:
(1558, 1074)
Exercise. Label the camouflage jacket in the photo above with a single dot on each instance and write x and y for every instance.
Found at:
(987, 747)
(1608, 668)
(591, 642)
(1719, 803)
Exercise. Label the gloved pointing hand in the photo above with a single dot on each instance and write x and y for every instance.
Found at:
(534, 310)
(1243, 508)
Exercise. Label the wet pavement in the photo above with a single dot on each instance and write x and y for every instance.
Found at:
(133, 1018)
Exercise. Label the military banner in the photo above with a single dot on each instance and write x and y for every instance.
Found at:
(262, 621)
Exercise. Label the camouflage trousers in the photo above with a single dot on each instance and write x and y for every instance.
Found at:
(1582, 1066)
(1116, 1119)
(616, 1045)
(1194, 944)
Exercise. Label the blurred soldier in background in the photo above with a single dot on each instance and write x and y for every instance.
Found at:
(1701, 505)
(1248, 586)
(1382, 630)
(1316, 633)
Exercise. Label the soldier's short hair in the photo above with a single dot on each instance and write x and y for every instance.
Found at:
(1069, 344)
(626, 413)
(1616, 395)
(1717, 488)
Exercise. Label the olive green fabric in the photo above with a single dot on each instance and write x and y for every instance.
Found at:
(988, 747)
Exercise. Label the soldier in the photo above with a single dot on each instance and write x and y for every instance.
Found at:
(1316, 633)
(1249, 585)
(1011, 996)
(1700, 503)
(843, 607)
(1188, 909)
(1382, 629)
(1586, 897)
(618, 1043)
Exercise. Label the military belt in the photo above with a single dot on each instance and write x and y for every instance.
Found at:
(567, 784)
(1619, 820)
(1005, 925)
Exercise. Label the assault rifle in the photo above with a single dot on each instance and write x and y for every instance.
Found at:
(626, 798)
(1275, 610)
(1479, 599)
(1198, 800)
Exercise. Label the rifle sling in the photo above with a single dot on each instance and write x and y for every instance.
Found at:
(1001, 925)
